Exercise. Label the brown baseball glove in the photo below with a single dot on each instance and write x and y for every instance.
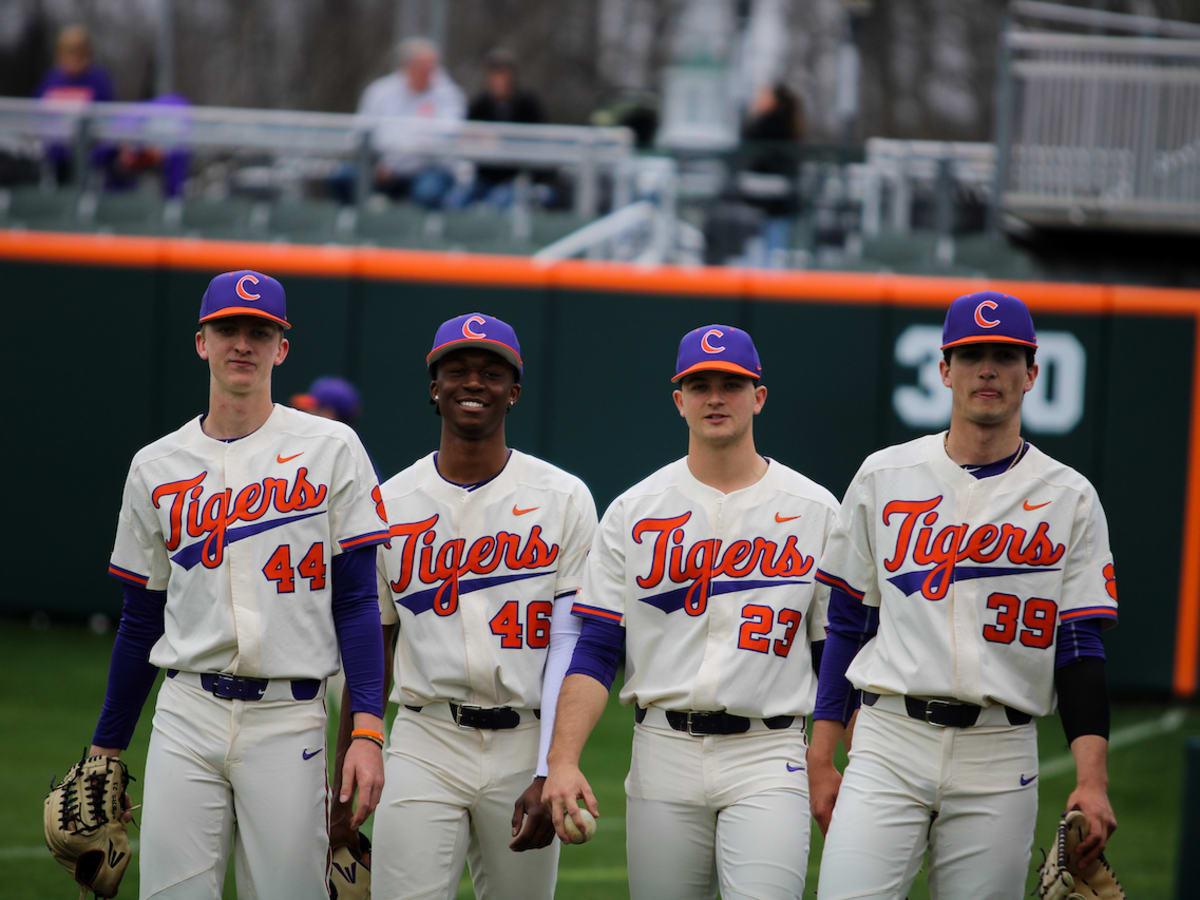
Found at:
(83, 818)
(350, 872)
(1060, 878)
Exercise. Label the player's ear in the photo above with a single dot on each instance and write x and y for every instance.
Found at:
(1031, 374)
(513, 393)
(201, 344)
(760, 397)
(677, 396)
(944, 368)
(281, 351)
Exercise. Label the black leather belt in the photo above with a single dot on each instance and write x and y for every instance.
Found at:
(948, 713)
(494, 719)
(701, 723)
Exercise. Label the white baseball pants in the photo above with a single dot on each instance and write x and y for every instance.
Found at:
(448, 797)
(233, 772)
(968, 795)
(720, 811)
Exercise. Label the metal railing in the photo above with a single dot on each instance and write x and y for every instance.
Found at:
(1102, 131)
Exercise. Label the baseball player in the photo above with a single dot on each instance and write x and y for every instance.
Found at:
(246, 544)
(970, 576)
(486, 542)
(704, 572)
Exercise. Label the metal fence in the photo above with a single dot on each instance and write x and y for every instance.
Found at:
(1100, 131)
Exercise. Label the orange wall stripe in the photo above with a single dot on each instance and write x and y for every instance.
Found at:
(1187, 630)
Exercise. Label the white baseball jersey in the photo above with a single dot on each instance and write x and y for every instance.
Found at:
(716, 591)
(971, 576)
(241, 536)
(471, 575)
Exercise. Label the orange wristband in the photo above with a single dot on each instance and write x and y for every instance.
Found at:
(367, 733)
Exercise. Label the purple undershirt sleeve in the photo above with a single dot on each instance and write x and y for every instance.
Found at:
(598, 651)
(360, 636)
(851, 625)
(130, 674)
(1078, 640)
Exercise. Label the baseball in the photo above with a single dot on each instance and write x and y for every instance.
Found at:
(589, 826)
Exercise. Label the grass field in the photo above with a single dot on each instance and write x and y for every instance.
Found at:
(53, 685)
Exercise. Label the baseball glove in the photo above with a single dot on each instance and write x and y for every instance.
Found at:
(84, 824)
(350, 872)
(1059, 879)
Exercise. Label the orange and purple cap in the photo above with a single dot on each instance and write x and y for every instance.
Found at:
(244, 293)
(480, 331)
(719, 348)
(988, 317)
(332, 393)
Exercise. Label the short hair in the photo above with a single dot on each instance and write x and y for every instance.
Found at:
(412, 47)
(1030, 353)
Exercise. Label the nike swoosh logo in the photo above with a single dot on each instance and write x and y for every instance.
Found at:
(792, 768)
(521, 512)
(283, 459)
(779, 518)
(1029, 780)
(1030, 507)
(308, 755)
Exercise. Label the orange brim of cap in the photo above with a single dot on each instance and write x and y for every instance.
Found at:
(244, 311)
(717, 366)
(501, 349)
(988, 339)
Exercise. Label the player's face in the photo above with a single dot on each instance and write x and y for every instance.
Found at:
(473, 390)
(241, 351)
(988, 382)
(719, 407)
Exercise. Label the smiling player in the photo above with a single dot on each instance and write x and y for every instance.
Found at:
(704, 572)
(970, 576)
(246, 543)
(487, 546)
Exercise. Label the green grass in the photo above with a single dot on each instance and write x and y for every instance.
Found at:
(53, 686)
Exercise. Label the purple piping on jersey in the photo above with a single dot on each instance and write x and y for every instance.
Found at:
(584, 611)
(474, 485)
(363, 540)
(187, 557)
(999, 467)
(128, 576)
(910, 582)
(1106, 612)
(671, 601)
(422, 601)
(834, 582)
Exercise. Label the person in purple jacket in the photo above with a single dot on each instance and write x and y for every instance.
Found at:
(73, 79)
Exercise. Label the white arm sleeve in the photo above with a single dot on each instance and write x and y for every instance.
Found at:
(564, 634)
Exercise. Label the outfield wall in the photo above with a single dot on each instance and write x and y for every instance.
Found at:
(100, 361)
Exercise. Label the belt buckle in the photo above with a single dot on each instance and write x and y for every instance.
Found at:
(224, 686)
(458, 715)
(689, 724)
(940, 704)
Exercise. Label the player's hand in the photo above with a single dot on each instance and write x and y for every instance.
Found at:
(560, 794)
(362, 774)
(529, 810)
(1102, 822)
(824, 782)
(115, 753)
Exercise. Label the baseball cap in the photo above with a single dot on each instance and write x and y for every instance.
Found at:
(333, 393)
(988, 317)
(720, 348)
(244, 293)
(476, 330)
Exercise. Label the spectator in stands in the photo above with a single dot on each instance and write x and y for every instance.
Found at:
(332, 398)
(74, 79)
(773, 125)
(501, 100)
(420, 88)
(132, 159)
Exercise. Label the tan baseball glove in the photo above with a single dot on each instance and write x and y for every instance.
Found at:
(350, 873)
(83, 818)
(1059, 877)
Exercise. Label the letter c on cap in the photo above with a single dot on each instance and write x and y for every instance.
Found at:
(466, 329)
(711, 348)
(979, 318)
(241, 288)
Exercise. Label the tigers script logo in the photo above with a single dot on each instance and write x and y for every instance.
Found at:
(698, 564)
(443, 566)
(213, 519)
(953, 544)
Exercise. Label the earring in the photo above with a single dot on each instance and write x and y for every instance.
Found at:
(511, 405)
(435, 398)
